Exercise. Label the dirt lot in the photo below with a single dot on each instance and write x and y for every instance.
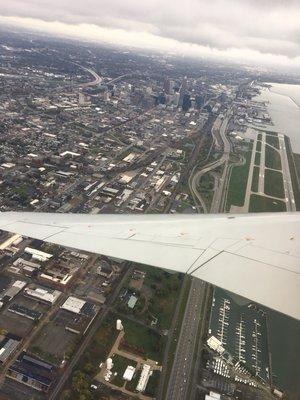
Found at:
(15, 324)
(53, 339)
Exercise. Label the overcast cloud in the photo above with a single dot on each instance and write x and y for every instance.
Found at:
(264, 31)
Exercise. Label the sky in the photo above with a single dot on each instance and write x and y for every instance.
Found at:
(248, 31)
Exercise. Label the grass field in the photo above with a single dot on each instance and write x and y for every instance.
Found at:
(258, 145)
(297, 162)
(271, 133)
(273, 141)
(263, 204)
(273, 159)
(238, 182)
(152, 385)
(145, 340)
(274, 183)
(164, 287)
(257, 158)
(255, 177)
(206, 189)
(293, 170)
(119, 366)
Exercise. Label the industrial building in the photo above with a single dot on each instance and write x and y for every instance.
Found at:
(74, 305)
(11, 241)
(25, 312)
(84, 311)
(43, 294)
(37, 254)
(60, 275)
(28, 268)
(11, 292)
(7, 347)
(32, 372)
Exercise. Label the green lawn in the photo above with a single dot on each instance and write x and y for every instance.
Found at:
(164, 288)
(273, 159)
(143, 340)
(258, 145)
(297, 162)
(273, 141)
(99, 346)
(255, 178)
(119, 366)
(206, 189)
(274, 183)
(257, 158)
(263, 204)
(238, 182)
(152, 385)
(293, 163)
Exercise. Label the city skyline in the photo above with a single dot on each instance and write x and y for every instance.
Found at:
(255, 32)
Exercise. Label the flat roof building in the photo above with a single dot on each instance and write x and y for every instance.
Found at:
(32, 372)
(128, 374)
(132, 301)
(144, 378)
(73, 304)
(46, 295)
(37, 254)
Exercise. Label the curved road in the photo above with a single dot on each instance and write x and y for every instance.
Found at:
(195, 178)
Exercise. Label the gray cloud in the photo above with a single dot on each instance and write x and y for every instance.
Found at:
(261, 28)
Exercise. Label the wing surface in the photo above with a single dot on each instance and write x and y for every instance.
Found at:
(254, 255)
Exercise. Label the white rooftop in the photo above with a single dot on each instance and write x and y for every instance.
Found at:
(73, 304)
(129, 372)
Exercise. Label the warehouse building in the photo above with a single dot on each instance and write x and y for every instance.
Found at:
(7, 347)
(28, 268)
(37, 254)
(25, 312)
(11, 292)
(46, 295)
(32, 372)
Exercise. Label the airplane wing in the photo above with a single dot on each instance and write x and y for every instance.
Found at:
(254, 255)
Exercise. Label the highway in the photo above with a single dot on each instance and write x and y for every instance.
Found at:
(195, 178)
(183, 365)
(95, 82)
(216, 205)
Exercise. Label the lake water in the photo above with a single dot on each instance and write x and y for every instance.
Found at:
(284, 108)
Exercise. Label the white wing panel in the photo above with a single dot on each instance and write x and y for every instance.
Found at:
(256, 256)
(273, 287)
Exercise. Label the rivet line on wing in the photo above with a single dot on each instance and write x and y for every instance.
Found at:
(205, 262)
(263, 262)
(54, 234)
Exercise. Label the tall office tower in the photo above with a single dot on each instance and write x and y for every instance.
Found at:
(186, 102)
(182, 90)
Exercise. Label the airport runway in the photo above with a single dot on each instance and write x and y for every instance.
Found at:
(287, 180)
